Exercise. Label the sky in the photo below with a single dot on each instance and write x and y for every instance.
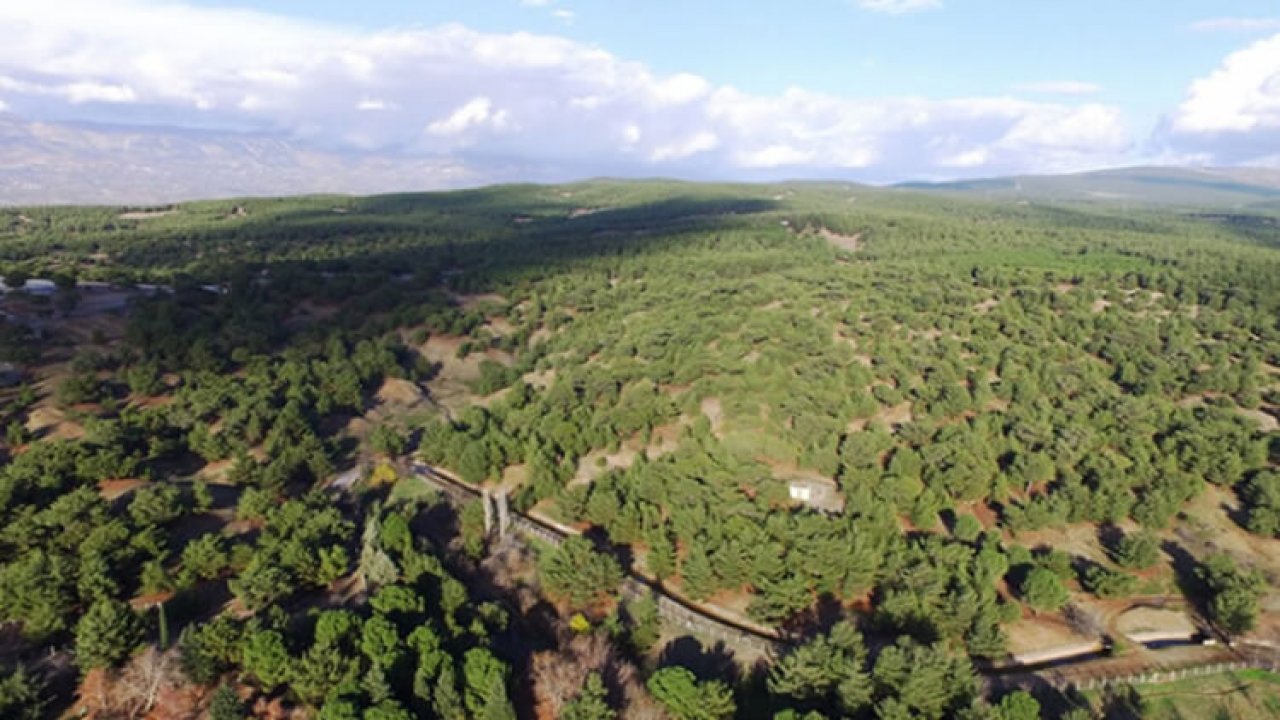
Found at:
(875, 90)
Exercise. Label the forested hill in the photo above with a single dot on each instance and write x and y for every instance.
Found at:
(917, 435)
(1158, 186)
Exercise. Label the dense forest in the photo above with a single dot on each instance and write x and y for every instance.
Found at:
(1018, 415)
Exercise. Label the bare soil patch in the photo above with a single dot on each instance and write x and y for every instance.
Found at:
(845, 242)
(52, 423)
(663, 440)
(897, 415)
(714, 410)
(540, 335)
(1210, 523)
(1081, 540)
(500, 326)
(1044, 635)
(395, 391)
(1141, 622)
(589, 467)
(215, 472)
(541, 379)
(515, 476)
(113, 489)
(451, 386)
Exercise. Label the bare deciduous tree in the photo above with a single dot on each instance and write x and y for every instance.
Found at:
(144, 678)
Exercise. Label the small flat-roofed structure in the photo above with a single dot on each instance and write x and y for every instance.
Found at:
(818, 493)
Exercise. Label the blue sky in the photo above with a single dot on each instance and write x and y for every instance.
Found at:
(867, 89)
(1144, 50)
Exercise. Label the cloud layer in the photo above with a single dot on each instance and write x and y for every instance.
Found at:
(524, 98)
(1232, 116)
(899, 7)
(1237, 24)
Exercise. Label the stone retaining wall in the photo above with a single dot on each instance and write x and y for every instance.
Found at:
(670, 610)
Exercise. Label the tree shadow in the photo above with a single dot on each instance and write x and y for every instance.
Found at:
(1185, 567)
(1123, 703)
(1109, 537)
(714, 662)
(1238, 515)
(1055, 698)
(439, 522)
(621, 552)
(815, 620)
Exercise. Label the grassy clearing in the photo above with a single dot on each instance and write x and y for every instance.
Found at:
(1241, 695)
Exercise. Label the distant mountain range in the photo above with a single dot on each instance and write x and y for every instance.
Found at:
(1186, 187)
(57, 163)
(69, 163)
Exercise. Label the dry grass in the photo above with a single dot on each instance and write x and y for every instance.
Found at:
(1043, 634)
(845, 242)
(451, 386)
(1142, 620)
(1080, 540)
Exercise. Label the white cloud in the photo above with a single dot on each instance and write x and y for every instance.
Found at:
(1232, 115)
(1236, 24)
(565, 16)
(1243, 94)
(775, 156)
(535, 3)
(899, 7)
(680, 149)
(631, 134)
(1060, 87)
(77, 92)
(679, 89)
(532, 99)
(89, 91)
(1069, 128)
(476, 113)
(967, 159)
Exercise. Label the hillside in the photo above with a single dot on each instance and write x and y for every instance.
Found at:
(927, 442)
(1184, 187)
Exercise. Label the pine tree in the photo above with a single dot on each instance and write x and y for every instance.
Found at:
(687, 699)
(1043, 590)
(446, 700)
(226, 705)
(107, 634)
(591, 703)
